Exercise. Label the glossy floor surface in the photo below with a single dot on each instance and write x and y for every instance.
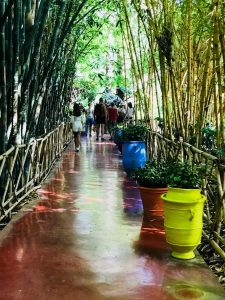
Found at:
(85, 239)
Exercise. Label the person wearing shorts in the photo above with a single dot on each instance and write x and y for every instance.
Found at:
(100, 114)
(130, 113)
(89, 120)
(76, 123)
(112, 117)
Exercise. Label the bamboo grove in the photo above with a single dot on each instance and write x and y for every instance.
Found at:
(40, 43)
(176, 49)
(177, 52)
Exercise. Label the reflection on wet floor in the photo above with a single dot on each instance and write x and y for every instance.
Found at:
(86, 239)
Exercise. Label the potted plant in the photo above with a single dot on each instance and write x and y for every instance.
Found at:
(183, 209)
(118, 136)
(152, 182)
(134, 147)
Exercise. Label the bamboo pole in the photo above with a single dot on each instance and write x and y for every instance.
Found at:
(189, 68)
(201, 116)
(3, 102)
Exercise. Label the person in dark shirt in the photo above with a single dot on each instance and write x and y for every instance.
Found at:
(100, 115)
(121, 114)
(112, 117)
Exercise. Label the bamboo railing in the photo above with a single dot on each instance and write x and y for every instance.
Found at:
(23, 167)
(213, 185)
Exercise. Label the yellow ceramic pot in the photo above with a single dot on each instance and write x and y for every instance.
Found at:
(183, 211)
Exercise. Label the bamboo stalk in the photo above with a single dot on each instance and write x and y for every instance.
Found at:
(189, 68)
(218, 72)
(3, 102)
(215, 245)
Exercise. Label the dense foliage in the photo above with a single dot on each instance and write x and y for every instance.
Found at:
(153, 175)
(177, 54)
(184, 175)
(134, 133)
(40, 46)
(170, 173)
(170, 53)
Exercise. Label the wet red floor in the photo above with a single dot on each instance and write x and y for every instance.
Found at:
(85, 239)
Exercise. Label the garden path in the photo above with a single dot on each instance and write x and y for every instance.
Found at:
(84, 239)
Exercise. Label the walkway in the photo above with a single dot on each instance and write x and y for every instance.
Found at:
(83, 241)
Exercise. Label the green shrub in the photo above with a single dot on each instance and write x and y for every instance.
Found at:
(153, 175)
(134, 133)
(170, 173)
(184, 175)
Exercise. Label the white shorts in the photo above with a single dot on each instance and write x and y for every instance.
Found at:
(76, 123)
(77, 126)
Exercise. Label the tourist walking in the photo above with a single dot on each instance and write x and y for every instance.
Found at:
(112, 118)
(89, 120)
(76, 123)
(121, 113)
(100, 115)
(130, 113)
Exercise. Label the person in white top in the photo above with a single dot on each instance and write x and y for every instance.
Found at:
(89, 119)
(76, 123)
(130, 113)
